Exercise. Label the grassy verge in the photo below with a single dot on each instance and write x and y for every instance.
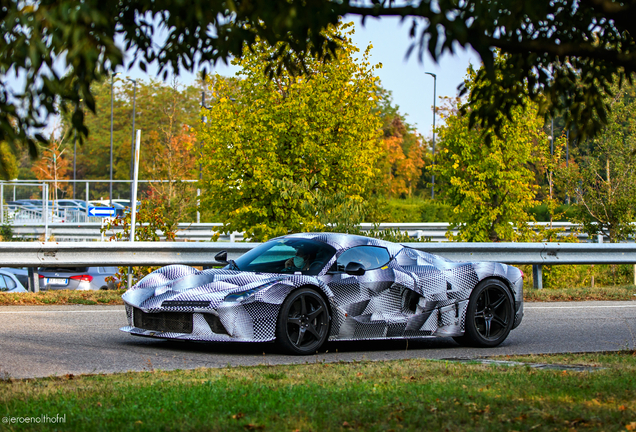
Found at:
(62, 297)
(580, 294)
(396, 395)
(113, 297)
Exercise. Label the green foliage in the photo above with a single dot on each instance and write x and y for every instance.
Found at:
(8, 162)
(6, 229)
(151, 224)
(583, 276)
(164, 113)
(563, 55)
(491, 182)
(408, 210)
(604, 181)
(568, 51)
(291, 153)
(541, 212)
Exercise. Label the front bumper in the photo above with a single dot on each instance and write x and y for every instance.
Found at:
(230, 323)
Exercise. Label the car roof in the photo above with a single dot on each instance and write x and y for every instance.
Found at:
(345, 241)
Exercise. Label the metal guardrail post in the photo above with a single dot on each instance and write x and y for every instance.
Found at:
(2, 203)
(45, 210)
(537, 276)
(34, 279)
(198, 204)
(87, 198)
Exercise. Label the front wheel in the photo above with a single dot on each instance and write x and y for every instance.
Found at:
(490, 315)
(303, 322)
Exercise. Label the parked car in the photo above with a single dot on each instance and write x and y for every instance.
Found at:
(70, 204)
(76, 278)
(22, 274)
(9, 283)
(23, 203)
(303, 289)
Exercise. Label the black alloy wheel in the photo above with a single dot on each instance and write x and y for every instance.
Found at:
(303, 322)
(490, 315)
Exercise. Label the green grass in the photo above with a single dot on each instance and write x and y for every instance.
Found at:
(370, 396)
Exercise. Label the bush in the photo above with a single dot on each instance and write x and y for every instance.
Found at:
(409, 210)
(580, 276)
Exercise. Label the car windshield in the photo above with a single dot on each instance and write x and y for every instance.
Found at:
(286, 255)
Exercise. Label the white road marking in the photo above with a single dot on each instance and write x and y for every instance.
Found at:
(579, 307)
(72, 311)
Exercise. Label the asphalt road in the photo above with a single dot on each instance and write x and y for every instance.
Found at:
(57, 340)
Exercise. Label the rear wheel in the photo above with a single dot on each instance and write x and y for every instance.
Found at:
(490, 315)
(303, 322)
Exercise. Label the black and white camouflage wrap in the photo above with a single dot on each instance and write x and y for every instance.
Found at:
(416, 294)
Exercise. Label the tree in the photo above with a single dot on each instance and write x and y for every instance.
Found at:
(603, 181)
(53, 165)
(278, 151)
(567, 50)
(402, 159)
(490, 183)
(8, 162)
(162, 114)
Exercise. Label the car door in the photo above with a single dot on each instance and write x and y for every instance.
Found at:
(372, 302)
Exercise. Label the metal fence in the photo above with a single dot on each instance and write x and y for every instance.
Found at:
(52, 254)
(72, 231)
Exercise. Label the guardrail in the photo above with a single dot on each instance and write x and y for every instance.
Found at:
(52, 254)
(433, 231)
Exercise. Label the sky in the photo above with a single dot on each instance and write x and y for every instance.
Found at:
(412, 89)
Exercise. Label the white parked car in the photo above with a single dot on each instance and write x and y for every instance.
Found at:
(9, 283)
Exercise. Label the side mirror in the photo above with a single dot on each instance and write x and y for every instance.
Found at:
(221, 257)
(355, 269)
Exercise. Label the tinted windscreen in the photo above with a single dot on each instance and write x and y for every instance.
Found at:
(288, 255)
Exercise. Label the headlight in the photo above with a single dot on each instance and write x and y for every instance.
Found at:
(242, 295)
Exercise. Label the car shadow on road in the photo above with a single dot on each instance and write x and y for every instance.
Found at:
(261, 348)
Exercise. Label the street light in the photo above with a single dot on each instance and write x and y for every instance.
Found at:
(434, 113)
(110, 188)
(132, 143)
(75, 158)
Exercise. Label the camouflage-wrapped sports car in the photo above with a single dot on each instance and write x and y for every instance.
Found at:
(303, 289)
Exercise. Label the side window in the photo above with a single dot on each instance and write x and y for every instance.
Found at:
(3, 284)
(371, 257)
(10, 283)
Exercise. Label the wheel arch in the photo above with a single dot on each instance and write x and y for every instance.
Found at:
(504, 280)
(320, 290)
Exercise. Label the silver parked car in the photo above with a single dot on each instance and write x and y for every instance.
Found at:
(76, 278)
(9, 283)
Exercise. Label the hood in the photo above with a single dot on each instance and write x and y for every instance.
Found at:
(188, 288)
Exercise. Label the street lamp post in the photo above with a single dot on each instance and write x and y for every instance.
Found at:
(434, 114)
(132, 145)
(74, 161)
(110, 188)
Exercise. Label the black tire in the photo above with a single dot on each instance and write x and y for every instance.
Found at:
(490, 315)
(303, 322)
